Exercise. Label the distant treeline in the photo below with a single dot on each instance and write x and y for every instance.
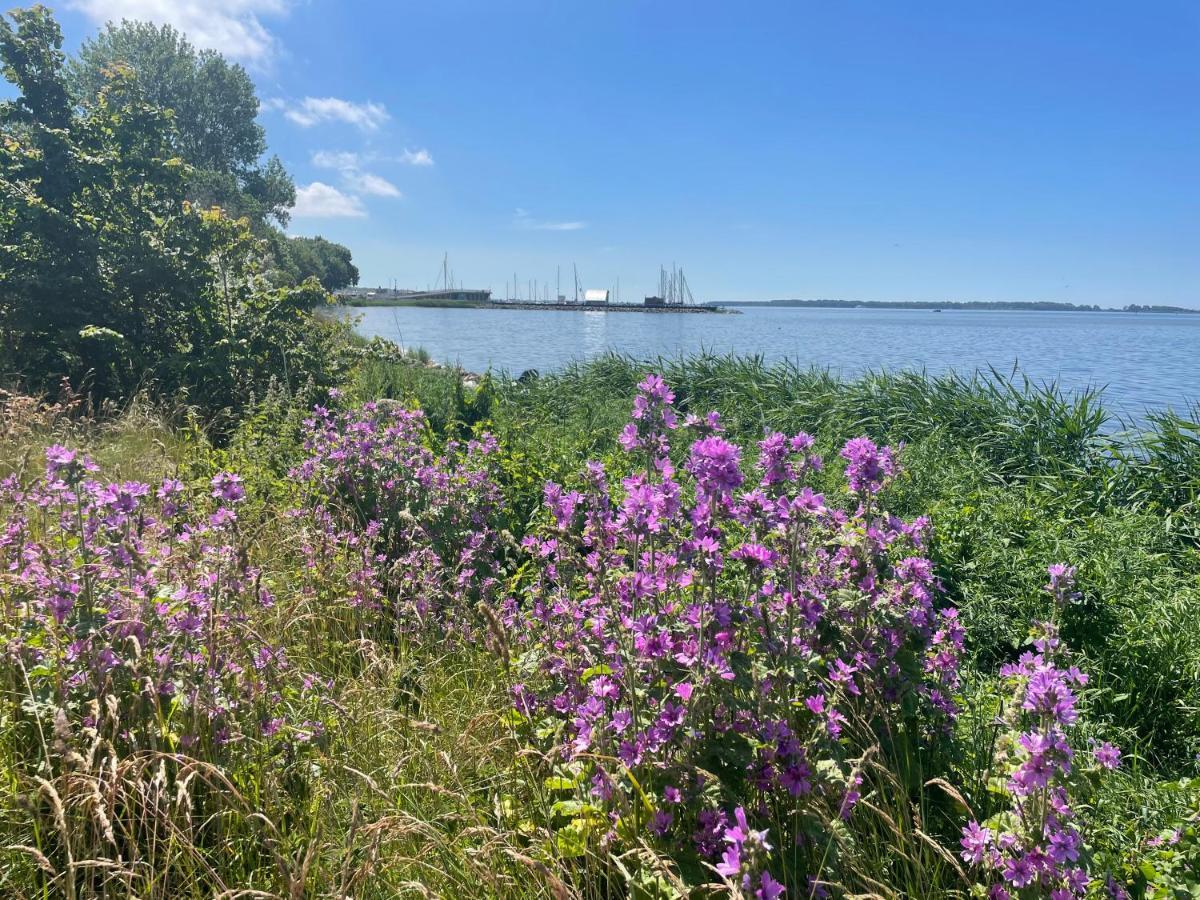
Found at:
(958, 304)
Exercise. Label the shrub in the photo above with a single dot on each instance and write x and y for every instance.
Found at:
(711, 665)
(137, 680)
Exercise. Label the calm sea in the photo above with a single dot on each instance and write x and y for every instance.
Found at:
(1142, 361)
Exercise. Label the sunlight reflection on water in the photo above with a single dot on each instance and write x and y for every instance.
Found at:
(1145, 361)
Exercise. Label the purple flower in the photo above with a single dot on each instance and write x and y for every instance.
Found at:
(1107, 755)
(60, 606)
(1062, 583)
(714, 464)
(1019, 871)
(769, 889)
(1064, 845)
(730, 865)
(975, 842)
(1047, 692)
(228, 487)
(661, 823)
(867, 466)
(58, 458)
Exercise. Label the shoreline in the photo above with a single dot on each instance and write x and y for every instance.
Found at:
(546, 307)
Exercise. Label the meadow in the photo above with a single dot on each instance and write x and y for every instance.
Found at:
(290, 613)
(738, 630)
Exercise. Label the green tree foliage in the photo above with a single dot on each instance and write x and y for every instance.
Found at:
(215, 114)
(318, 258)
(108, 272)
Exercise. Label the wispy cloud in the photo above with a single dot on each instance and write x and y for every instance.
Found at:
(336, 159)
(232, 27)
(310, 111)
(522, 219)
(323, 201)
(349, 165)
(366, 183)
(347, 159)
(416, 158)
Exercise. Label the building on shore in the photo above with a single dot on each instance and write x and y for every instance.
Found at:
(594, 297)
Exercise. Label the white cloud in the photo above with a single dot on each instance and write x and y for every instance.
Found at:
(314, 110)
(366, 183)
(336, 159)
(323, 201)
(229, 26)
(416, 158)
(349, 166)
(522, 219)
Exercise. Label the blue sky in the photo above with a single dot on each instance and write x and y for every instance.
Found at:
(918, 150)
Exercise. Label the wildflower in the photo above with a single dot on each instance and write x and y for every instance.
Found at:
(661, 823)
(60, 606)
(714, 464)
(1064, 844)
(228, 487)
(1047, 692)
(850, 799)
(1062, 583)
(58, 458)
(707, 424)
(975, 842)
(868, 466)
(730, 865)
(1107, 755)
(1019, 871)
(646, 607)
(769, 888)
(169, 488)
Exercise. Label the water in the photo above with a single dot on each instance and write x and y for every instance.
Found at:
(1142, 361)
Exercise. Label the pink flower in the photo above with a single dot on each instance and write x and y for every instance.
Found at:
(1107, 755)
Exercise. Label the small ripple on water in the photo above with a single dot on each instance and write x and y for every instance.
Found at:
(1143, 361)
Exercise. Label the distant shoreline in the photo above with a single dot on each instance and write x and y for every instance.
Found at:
(703, 309)
(733, 306)
(983, 305)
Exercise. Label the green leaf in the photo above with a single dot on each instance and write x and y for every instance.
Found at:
(559, 783)
(594, 671)
(572, 839)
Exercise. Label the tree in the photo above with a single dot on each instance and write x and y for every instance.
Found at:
(108, 271)
(48, 268)
(324, 260)
(215, 114)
